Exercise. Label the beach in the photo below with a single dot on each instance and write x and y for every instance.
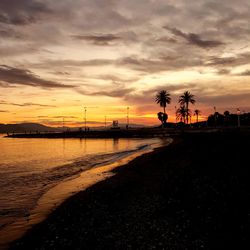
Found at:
(192, 194)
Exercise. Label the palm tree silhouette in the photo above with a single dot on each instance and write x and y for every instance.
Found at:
(163, 98)
(185, 99)
(197, 112)
(181, 113)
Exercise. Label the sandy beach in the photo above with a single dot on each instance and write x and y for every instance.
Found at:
(193, 194)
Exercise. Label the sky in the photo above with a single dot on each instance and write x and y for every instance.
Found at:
(57, 57)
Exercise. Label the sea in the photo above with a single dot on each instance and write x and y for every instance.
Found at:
(32, 169)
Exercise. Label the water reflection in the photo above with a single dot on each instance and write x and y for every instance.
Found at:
(30, 167)
(116, 144)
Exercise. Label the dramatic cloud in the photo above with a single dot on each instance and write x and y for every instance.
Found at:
(16, 76)
(230, 100)
(114, 93)
(100, 40)
(118, 92)
(23, 12)
(115, 53)
(195, 39)
(237, 60)
(147, 96)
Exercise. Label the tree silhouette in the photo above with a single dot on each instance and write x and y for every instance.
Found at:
(163, 118)
(185, 99)
(181, 113)
(197, 112)
(163, 98)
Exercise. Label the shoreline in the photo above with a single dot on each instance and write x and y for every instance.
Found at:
(190, 195)
(57, 194)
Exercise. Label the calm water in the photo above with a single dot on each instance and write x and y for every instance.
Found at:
(31, 167)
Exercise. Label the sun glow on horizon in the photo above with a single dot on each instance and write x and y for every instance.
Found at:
(57, 59)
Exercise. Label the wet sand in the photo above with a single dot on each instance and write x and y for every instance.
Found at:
(193, 194)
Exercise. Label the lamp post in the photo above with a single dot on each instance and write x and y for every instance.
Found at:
(238, 113)
(85, 117)
(127, 117)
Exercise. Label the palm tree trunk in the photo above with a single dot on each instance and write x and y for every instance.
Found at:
(197, 118)
(187, 112)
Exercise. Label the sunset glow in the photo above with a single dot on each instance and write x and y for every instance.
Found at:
(58, 57)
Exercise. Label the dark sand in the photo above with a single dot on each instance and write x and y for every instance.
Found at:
(193, 194)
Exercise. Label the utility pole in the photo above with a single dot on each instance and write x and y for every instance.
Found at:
(127, 117)
(105, 121)
(85, 117)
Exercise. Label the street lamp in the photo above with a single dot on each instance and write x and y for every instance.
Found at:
(85, 117)
(127, 117)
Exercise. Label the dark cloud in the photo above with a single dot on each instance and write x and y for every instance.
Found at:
(14, 76)
(237, 60)
(148, 65)
(166, 39)
(9, 33)
(195, 39)
(233, 100)
(115, 78)
(118, 92)
(64, 73)
(22, 12)
(214, 61)
(101, 40)
(163, 63)
(148, 96)
(170, 88)
(4, 111)
(74, 63)
(223, 72)
(26, 104)
(114, 93)
(245, 73)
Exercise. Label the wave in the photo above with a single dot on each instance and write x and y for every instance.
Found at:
(25, 197)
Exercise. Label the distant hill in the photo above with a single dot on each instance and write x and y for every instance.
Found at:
(26, 127)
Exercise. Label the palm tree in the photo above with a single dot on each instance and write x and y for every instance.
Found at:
(181, 113)
(197, 112)
(163, 98)
(185, 99)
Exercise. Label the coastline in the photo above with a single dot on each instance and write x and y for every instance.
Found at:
(57, 194)
(190, 195)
